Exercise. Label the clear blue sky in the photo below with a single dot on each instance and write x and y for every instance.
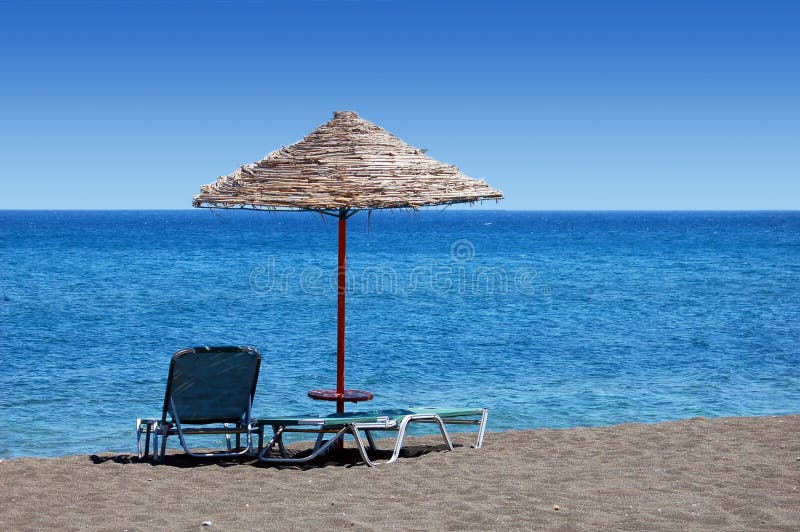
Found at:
(562, 105)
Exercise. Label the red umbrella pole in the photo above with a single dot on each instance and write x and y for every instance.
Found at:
(342, 288)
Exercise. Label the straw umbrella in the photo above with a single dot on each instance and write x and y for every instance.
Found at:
(342, 167)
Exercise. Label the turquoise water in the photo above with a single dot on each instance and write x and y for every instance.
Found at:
(549, 319)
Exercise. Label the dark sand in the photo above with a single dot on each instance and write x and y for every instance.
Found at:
(699, 474)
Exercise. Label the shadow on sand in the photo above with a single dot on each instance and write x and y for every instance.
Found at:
(336, 458)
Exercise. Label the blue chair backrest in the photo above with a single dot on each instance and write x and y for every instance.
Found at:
(212, 384)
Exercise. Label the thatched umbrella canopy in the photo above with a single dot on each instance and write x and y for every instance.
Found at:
(344, 166)
(348, 163)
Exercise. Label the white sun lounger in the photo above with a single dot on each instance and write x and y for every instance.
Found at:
(337, 426)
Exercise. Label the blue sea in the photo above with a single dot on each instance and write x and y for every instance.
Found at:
(551, 319)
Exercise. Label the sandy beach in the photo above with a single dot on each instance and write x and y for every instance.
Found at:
(728, 473)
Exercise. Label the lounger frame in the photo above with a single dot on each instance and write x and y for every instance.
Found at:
(339, 427)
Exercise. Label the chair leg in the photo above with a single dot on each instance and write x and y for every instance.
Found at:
(371, 440)
(147, 440)
(249, 440)
(257, 451)
(354, 430)
(139, 438)
(281, 446)
(164, 434)
(266, 449)
(482, 429)
(445, 435)
(156, 443)
(227, 438)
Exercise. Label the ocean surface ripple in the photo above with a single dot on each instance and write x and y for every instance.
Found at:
(551, 319)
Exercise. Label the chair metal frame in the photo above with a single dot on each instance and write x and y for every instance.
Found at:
(354, 426)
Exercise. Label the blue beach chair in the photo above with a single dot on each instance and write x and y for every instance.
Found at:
(209, 391)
